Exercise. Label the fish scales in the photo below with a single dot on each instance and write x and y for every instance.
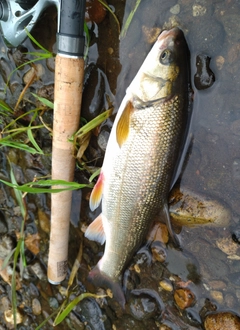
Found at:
(141, 158)
(144, 185)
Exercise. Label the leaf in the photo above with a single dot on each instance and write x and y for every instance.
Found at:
(129, 20)
(6, 260)
(5, 106)
(33, 141)
(18, 145)
(18, 194)
(71, 305)
(44, 101)
(93, 123)
(96, 173)
(30, 187)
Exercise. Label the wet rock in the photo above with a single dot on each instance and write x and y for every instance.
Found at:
(95, 11)
(129, 323)
(217, 296)
(236, 235)
(159, 253)
(219, 61)
(230, 21)
(204, 77)
(3, 224)
(230, 301)
(220, 321)
(184, 298)
(159, 233)
(44, 220)
(38, 270)
(207, 36)
(8, 315)
(189, 208)
(142, 306)
(103, 137)
(33, 74)
(175, 10)
(229, 247)
(166, 285)
(91, 314)
(36, 307)
(53, 303)
(198, 10)
(93, 92)
(150, 34)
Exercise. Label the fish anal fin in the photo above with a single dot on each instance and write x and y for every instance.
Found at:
(96, 194)
(166, 218)
(101, 279)
(95, 231)
(123, 125)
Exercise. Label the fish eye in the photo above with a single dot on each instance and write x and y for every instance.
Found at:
(166, 57)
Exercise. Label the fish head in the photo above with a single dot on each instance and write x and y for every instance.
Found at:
(160, 72)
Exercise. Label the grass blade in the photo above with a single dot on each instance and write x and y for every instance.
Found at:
(44, 101)
(129, 20)
(71, 305)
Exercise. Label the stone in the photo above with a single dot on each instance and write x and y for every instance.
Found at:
(223, 320)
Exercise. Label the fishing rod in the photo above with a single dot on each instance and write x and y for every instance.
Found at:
(15, 17)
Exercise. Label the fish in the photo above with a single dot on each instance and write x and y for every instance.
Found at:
(141, 158)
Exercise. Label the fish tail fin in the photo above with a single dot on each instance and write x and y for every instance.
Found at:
(100, 279)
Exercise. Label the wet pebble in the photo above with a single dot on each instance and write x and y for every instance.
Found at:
(236, 235)
(3, 224)
(190, 208)
(217, 296)
(44, 220)
(184, 298)
(53, 303)
(36, 307)
(159, 253)
(220, 321)
(142, 307)
(33, 74)
(8, 315)
(229, 247)
(175, 10)
(95, 11)
(102, 139)
(166, 285)
(38, 270)
(219, 61)
(158, 233)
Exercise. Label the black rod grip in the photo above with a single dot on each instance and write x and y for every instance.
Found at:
(72, 14)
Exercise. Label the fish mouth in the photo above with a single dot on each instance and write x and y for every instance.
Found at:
(169, 38)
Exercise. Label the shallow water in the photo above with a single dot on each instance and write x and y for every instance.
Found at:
(211, 168)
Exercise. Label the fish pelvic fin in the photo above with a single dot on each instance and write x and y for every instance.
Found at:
(96, 194)
(123, 125)
(95, 231)
(167, 220)
(101, 279)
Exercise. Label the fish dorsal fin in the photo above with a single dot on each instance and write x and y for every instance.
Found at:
(95, 231)
(96, 194)
(123, 125)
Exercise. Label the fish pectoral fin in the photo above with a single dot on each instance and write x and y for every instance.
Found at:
(95, 231)
(96, 194)
(123, 125)
(166, 218)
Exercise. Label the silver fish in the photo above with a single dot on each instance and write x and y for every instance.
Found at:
(141, 157)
